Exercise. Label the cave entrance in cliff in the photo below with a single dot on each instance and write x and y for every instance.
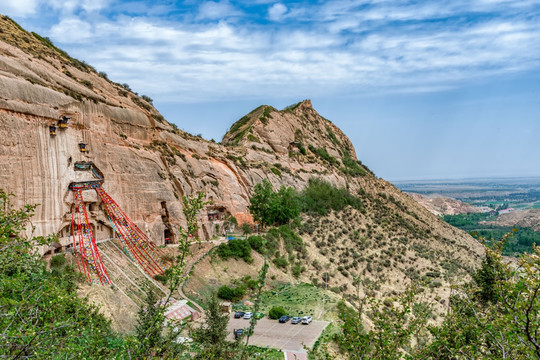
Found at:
(218, 213)
(168, 234)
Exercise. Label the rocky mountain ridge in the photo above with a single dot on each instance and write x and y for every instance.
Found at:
(148, 164)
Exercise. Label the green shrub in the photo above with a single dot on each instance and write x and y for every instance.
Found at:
(323, 154)
(233, 294)
(320, 197)
(58, 260)
(296, 270)
(161, 278)
(280, 262)
(256, 243)
(276, 312)
(238, 249)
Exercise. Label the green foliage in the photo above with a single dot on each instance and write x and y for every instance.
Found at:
(149, 329)
(276, 171)
(231, 293)
(281, 262)
(292, 106)
(269, 207)
(276, 312)
(496, 316)
(256, 243)
(246, 229)
(320, 197)
(352, 167)
(41, 315)
(323, 154)
(467, 221)
(266, 114)
(238, 249)
(333, 136)
(58, 261)
(212, 336)
(394, 326)
(148, 99)
(522, 240)
(302, 148)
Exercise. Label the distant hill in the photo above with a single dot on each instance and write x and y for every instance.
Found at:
(442, 205)
(521, 218)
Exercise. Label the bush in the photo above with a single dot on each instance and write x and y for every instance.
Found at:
(161, 278)
(58, 260)
(281, 262)
(256, 243)
(320, 197)
(296, 270)
(238, 249)
(276, 312)
(233, 294)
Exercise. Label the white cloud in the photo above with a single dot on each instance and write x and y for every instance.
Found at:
(217, 10)
(71, 31)
(277, 11)
(20, 8)
(343, 51)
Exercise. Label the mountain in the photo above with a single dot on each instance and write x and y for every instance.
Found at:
(148, 164)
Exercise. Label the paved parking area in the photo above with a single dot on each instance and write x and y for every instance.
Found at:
(270, 333)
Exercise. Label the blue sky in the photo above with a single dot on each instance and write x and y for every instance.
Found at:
(424, 89)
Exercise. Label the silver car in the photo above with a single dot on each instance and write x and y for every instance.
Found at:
(248, 315)
(306, 320)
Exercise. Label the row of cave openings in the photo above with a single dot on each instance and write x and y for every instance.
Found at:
(61, 125)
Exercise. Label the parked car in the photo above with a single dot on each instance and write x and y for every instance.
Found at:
(259, 315)
(239, 314)
(296, 320)
(306, 320)
(238, 333)
(248, 315)
(284, 318)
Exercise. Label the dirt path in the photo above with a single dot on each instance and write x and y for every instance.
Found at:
(190, 265)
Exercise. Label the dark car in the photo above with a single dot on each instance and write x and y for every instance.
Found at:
(296, 320)
(284, 318)
(238, 333)
(239, 314)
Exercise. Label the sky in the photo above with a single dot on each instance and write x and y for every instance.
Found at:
(424, 89)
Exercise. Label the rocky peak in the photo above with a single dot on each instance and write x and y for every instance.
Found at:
(297, 130)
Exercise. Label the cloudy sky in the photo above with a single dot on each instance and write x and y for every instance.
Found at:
(424, 89)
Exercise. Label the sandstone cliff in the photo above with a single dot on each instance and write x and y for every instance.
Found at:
(147, 163)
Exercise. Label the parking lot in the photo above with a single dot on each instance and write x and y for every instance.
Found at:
(280, 336)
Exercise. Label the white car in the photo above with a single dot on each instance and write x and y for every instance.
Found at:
(248, 315)
(306, 320)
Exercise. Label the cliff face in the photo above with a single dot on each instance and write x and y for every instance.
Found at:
(147, 163)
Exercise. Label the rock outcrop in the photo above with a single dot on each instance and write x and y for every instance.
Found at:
(147, 163)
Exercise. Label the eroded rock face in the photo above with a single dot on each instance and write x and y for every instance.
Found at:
(147, 163)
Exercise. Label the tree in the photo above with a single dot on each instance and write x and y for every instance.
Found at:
(246, 229)
(154, 338)
(149, 329)
(41, 315)
(213, 333)
(271, 208)
(286, 205)
(261, 202)
(276, 312)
